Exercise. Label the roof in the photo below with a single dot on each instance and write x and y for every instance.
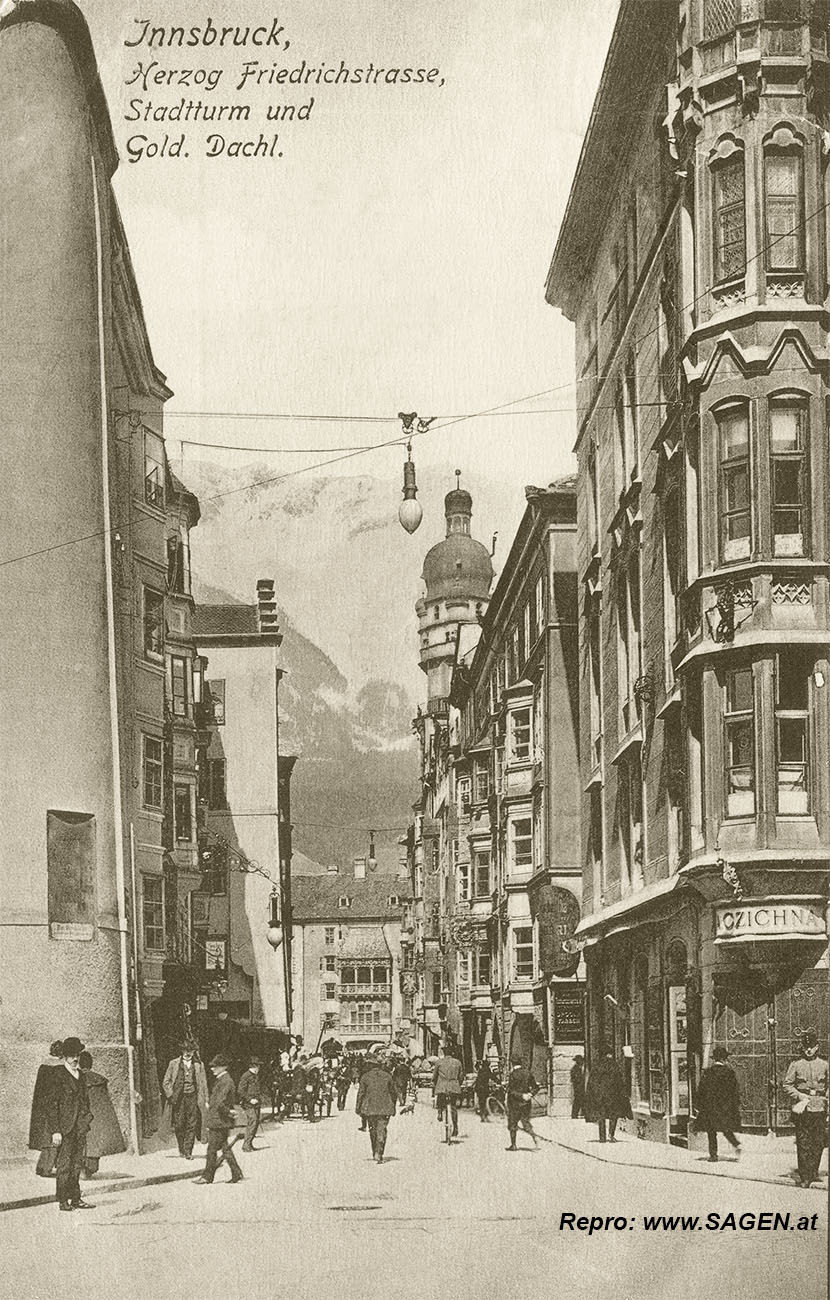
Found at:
(225, 620)
(458, 566)
(315, 898)
(365, 941)
(634, 71)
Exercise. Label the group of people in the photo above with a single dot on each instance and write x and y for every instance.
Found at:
(73, 1121)
(603, 1098)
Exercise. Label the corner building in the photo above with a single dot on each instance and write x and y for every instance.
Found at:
(693, 260)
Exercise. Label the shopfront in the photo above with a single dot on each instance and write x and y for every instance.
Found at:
(770, 983)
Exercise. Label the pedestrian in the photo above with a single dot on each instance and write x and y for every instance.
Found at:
(185, 1088)
(521, 1086)
(481, 1088)
(343, 1084)
(69, 1118)
(606, 1095)
(327, 1088)
(718, 1103)
(40, 1132)
(806, 1086)
(361, 1065)
(220, 1121)
(447, 1078)
(311, 1090)
(298, 1082)
(249, 1094)
(577, 1087)
(104, 1136)
(376, 1102)
(401, 1073)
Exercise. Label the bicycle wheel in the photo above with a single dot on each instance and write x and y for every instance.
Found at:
(494, 1106)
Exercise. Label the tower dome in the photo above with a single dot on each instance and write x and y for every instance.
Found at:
(459, 565)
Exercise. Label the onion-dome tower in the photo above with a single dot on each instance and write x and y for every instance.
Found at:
(457, 577)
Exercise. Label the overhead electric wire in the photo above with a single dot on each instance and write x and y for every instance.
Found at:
(405, 437)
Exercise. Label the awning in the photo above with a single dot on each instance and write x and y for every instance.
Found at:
(623, 915)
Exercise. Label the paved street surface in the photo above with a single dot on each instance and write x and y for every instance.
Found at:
(315, 1217)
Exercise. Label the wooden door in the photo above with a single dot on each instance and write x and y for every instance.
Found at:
(743, 1012)
(802, 1004)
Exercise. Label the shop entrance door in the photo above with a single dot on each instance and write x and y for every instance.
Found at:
(743, 1011)
(760, 1026)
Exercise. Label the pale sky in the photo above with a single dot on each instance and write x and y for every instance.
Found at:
(395, 257)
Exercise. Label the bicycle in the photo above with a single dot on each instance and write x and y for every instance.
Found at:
(449, 1115)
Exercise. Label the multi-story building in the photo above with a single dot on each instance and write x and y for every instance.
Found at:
(516, 878)
(347, 958)
(244, 829)
(84, 530)
(456, 581)
(693, 259)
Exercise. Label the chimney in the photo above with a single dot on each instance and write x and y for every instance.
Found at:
(266, 606)
(360, 868)
(332, 869)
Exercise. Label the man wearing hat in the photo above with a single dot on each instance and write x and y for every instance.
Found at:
(68, 1118)
(718, 1103)
(376, 1101)
(250, 1099)
(185, 1087)
(806, 1086)
(220, 1121)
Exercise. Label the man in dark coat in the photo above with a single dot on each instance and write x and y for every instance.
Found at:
(220, 1121)
(298, 1082)
(69, 1118)
(482, 1088)
(40, 1134)
(344, 1083)
(718, 1103)
(376, 1101)
(520, 1089)
(577, 1087)
(806, 1085)
(606, 1095)
(185, 1087)
(249, 1094)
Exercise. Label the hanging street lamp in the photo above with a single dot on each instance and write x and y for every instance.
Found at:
(410, 512)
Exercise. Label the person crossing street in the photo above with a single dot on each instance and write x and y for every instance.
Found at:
(249, 1095)
(447, 1078)
(520, 1089)
(220, 1121)
(376, 1102)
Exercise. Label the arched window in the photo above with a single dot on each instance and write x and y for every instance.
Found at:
(783, 202)
(729, 212)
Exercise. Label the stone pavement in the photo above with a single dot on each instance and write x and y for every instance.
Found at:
(763, 1159)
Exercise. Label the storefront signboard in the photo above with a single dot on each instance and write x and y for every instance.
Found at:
(777, 918)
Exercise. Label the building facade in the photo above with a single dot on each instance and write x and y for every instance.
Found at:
(456, 580)
(516, 886)
(347, 957)
(244, 830)
(693, 260)
(87, 519)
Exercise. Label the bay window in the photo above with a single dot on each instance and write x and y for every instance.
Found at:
(792, 733)
(783, 206)
(520, 735)
(523, 952)
(739, 743)
(729, 217)
(521, 843)
(481, 873)
(789, 478)
(735, 490)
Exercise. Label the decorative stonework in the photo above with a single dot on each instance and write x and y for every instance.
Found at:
(729, 297)
(791, 593)
(742, 594)
(786, 288)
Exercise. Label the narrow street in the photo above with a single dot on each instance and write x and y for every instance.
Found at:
(315, 1216)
